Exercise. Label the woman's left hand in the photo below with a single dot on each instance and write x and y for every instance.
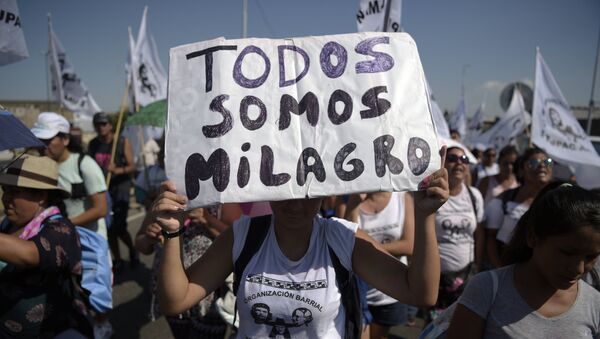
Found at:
(434, 190)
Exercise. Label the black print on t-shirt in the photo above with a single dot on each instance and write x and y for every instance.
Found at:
(457, 231)
(286, 285)
(261, 313)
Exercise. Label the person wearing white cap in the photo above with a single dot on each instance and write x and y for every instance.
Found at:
(84, 180)
(459, 229)
(80, 175)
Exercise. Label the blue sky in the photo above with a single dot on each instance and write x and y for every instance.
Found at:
(495, 38)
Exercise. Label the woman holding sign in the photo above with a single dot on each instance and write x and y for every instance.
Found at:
(290, 285)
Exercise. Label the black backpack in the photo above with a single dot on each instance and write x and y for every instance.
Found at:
(346, 281)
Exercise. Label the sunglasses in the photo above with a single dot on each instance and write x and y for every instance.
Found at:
(455, 158)
(536, 163)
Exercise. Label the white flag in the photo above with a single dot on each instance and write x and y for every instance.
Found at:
(476, 122)
(371, 15)
(149, 77)
(441, 127)
(554, 127)
(458, 120)
(12, 40)
(68, 89)
(505, 131)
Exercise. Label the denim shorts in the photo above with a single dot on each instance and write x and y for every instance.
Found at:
(389, 315)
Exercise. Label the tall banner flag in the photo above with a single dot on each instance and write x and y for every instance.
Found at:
(505, 131)
(441, 126)
(67, 87)
(458, 120)
(149, 77)
(372, 14)
(12, 40)
(475, 124)
(554, 126)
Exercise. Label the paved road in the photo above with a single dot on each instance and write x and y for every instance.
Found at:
(131, 299)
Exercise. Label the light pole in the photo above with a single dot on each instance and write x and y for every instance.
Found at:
(589, 119)
(245, 19)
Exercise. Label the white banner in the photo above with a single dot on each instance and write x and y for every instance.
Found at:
(554, 127)
(506, 130)
(129, 72)
(458, 119)
(149, 77)
(260, 119)
(371, 15)
(475, 125)
(12, 40)
(68, 88)
(441, 126)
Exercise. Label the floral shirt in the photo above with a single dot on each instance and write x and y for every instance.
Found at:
(40, 301)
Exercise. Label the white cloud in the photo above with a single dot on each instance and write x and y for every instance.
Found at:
(493, 85)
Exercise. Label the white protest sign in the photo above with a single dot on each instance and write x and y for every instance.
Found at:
(261, 119)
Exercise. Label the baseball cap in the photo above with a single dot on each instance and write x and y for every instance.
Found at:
(49, 124)
(100, 117)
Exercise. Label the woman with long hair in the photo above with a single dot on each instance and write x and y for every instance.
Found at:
(540, 294)
(534, 171)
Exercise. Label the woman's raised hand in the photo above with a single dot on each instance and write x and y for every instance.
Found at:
(169, 207)
(433, 190)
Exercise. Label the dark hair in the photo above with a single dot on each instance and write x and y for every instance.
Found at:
(559, 208)
(506, 151)
(55, 199)
(520, 165)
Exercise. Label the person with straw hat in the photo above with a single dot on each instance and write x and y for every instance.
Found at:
(40, 255)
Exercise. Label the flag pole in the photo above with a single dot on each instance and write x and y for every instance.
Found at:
(386, 17)
(589, 118)
(117, 131)
(245, 19)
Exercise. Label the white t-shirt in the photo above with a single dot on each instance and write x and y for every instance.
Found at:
(484, 171)
(93, 180)
(385, 226)
(455, 225)
(505, 224)
(281, 298)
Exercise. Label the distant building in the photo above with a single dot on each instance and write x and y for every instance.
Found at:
(28, 110)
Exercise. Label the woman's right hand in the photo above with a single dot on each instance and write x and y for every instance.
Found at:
(153, 232)
(169, 208)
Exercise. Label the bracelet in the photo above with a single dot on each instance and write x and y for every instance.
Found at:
(174, 234)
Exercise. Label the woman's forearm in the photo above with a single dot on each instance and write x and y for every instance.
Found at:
(18, 252)
(172, 280)
(424, 271)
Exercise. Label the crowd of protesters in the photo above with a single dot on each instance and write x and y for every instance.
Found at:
(510, 249)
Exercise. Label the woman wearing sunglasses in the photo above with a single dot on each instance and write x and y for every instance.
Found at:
(534, 171)
(457, 228)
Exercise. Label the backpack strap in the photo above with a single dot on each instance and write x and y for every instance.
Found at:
(507, 196)
(472, 196)
(350, 297)
(257, 232)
